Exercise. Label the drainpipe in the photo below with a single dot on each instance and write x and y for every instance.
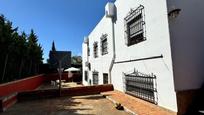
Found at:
(88, 52)
(114, 55)
(86, 41)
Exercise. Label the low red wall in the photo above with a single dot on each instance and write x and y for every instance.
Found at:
(87, 90)
(76, 77)
(26, 84)
(32, 83)
(55, 76)
(73, 91)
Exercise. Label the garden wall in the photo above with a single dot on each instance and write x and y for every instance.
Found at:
(26, 84)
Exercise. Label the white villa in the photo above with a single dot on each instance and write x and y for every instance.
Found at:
(151, 49)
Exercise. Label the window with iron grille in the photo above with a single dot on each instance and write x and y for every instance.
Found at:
(86, 76)
(142, 86)
(95, 49)
(104, 44)
(105, 78)
(88, 51)
(95, 78)
(88, 64)
(134, 26)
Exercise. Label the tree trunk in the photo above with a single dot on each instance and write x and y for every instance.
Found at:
(35, 68)
(5, 64)
(20, 70)
(30, 68)
(38, 68)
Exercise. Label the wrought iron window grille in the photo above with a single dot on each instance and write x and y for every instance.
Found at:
(95, 77)
(95, 49)
(105, 78)
(141, 85)
(135, 26)
(86, 75)
(104, 44)
(88, 51)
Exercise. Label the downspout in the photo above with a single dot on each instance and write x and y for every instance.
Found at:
(88, 54)
(114, 55)
(86, 41)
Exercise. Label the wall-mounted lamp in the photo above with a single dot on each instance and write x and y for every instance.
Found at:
(174, 13)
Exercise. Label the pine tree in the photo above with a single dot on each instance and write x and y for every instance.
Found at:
(20, 55)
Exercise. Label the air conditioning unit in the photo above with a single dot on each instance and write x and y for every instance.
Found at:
(110, 10)
(86, 40)
(87, 64)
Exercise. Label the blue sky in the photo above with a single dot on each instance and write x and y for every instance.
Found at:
(64, 21)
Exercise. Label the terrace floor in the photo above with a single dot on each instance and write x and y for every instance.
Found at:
(136, 105)
(64, 85)
(77, 105)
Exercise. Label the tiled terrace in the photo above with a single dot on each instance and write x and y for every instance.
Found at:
(136, 105)
(92, 104)
(64, 85)
(77, 105)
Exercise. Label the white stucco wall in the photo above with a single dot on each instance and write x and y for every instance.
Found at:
(187, 39)
(157, 43)
(84, 60)
(102, 62)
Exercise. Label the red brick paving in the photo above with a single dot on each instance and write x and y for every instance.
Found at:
(136, 105)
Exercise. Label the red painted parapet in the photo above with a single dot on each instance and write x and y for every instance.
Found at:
(31, 83)
(26, 84)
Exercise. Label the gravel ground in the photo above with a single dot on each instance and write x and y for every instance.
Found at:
(77, 105)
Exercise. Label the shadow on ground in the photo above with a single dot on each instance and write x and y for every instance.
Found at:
(77, 105)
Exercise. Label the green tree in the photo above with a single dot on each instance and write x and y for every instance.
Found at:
(6, 43)
(77, 60)
(21, 52)
(35, 53)
(20, 55)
